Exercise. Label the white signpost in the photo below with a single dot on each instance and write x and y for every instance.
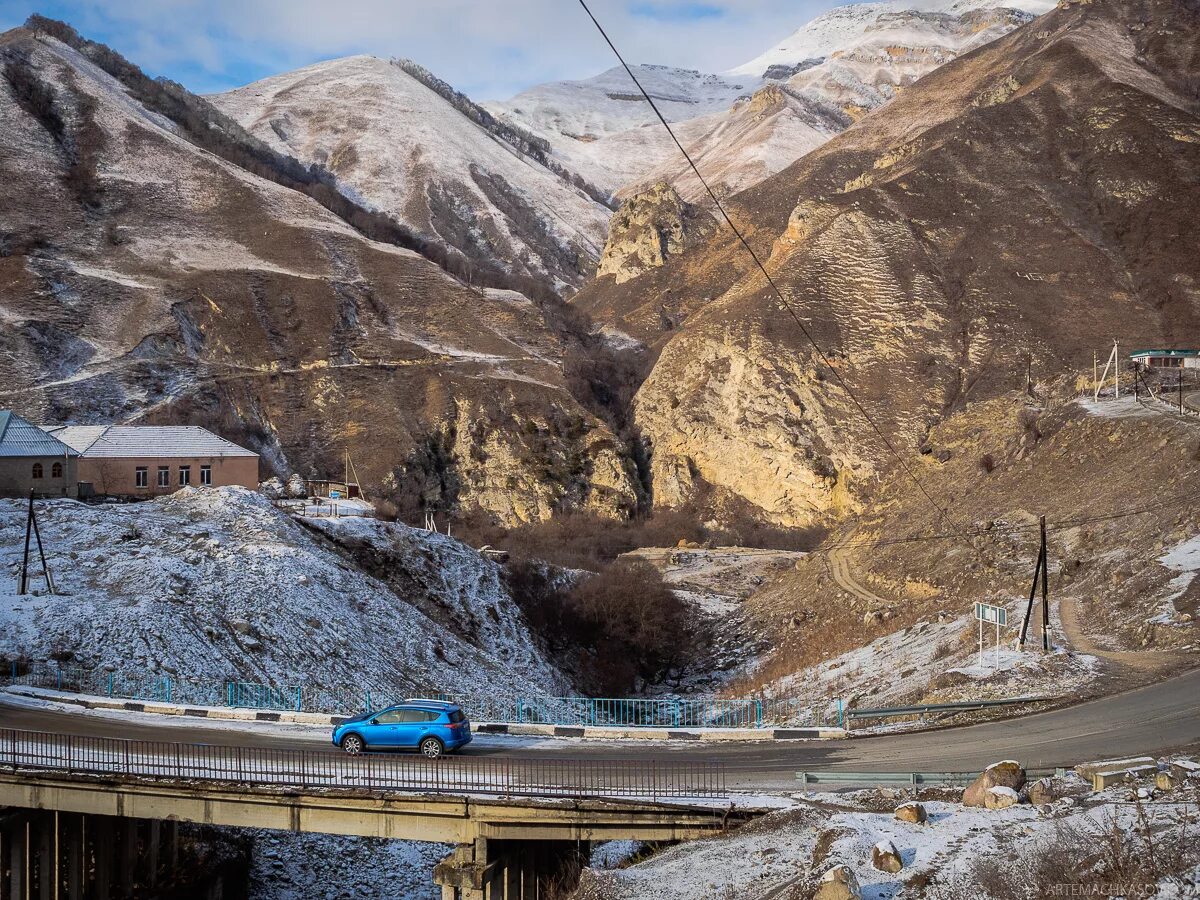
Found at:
(985, 612)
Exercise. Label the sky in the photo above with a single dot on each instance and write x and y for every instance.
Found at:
(490, 49)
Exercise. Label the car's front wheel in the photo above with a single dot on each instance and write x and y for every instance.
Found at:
(353, 744)
(431, 748)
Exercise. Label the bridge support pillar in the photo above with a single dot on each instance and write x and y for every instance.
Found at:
(509, 870)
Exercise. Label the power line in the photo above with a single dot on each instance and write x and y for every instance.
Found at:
(1064, 525)
(942, 512)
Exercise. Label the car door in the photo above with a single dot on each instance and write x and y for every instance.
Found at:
(387, 729)
(411, 724)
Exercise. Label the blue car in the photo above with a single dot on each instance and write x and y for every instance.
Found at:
(432, 727)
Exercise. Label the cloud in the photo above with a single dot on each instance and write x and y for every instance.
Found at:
(490, 49)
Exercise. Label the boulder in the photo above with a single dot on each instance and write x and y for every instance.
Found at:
(1007, 774)
(886, 858)
(1165, 781)
(1048, 790)
(1001, 798)
(912, 812)
(272, 488)
(838, 883)
(296, 488)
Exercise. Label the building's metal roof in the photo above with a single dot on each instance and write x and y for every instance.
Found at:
(19, 437)
(1165, 353)
(129, 441)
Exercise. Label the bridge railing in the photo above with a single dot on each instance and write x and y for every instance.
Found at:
(570, 778)
(755, 712)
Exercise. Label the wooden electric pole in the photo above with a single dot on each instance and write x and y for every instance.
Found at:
(1039, 572)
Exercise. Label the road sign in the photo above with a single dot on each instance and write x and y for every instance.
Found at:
(998, 616)
(985, 612)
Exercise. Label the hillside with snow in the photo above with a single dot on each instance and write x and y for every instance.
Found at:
(214, 584)
(401, 147)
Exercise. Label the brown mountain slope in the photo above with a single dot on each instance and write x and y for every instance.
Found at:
(1009, 214)
(142, 278)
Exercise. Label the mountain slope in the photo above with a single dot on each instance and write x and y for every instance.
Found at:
(760, 117)
(403, 148)
(143, 278)
(1006, 216)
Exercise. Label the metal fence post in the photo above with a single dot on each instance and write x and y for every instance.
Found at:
(299, 702)
(58, 678)
(170, 692)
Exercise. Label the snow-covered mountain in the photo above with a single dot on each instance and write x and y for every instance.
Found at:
(603, 128)
(752, 121)
(404, 143)
(900, 22)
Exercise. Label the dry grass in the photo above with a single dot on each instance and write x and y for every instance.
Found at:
(1107, 859)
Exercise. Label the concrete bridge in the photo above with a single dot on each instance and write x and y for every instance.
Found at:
(59, 788)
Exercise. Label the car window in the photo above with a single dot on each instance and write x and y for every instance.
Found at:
(391, 717)
(431, 716)
(457, 716)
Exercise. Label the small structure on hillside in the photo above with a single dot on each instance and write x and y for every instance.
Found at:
(32, 460)
(151, 460)
(1166, 359)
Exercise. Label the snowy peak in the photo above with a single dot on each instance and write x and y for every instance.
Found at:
(610, 102)
(845, 26)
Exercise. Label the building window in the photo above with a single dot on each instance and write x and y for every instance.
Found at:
(164, 476)
(56, 470)
(185, 476)
(37, 470)
(141, 477)
(206, 475)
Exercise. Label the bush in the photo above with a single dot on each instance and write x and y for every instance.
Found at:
(613, 630)
(987, 462)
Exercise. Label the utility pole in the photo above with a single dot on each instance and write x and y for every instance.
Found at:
(32, 530)
(1045, 589)
(1039, 571)
(24, 582)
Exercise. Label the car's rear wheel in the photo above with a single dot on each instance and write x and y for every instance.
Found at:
(353, 744)
(432, 748)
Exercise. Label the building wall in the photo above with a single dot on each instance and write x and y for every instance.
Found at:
(117, 477)
(16, 476)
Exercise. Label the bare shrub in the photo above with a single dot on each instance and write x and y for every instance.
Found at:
(1027, 420)
(613, 630)
(943, 650)
(1116, 856)
(987, 463)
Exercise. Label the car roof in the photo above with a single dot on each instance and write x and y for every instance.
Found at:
(428, 705)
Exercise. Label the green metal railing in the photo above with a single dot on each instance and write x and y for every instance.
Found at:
(759, 712)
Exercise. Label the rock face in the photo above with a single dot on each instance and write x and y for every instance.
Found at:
(838, 883)
(182, 287)
(886, 858)
(912, 812)
(648, 228)
(1007, 774)
(867, 239)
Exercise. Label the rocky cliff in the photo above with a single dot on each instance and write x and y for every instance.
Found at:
(1001, 219)
(647, 229)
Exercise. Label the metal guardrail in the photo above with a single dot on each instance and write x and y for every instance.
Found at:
(907, 779)
(567, 711)
(329, 770)
(963, 706)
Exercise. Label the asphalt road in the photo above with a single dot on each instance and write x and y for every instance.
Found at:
(1152, 719)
